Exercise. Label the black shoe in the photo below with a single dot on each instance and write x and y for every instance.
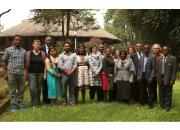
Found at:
(167, 109)
(162, 107)
(150, 107)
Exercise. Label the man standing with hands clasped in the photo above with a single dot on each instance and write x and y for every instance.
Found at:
(68, 64)
(166, 76)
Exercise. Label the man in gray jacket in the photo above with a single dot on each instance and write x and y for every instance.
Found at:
(166, 76)
(145, 74)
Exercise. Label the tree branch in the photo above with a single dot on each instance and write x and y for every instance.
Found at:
(1, 14)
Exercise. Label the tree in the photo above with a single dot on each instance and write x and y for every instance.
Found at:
(72, 19)
(152, 26)
(116, 23)
(1, 14)
(162, 26)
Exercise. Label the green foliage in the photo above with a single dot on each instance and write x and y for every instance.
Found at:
(116, 23)
(98, 112)
(149, 26)
(3, 92)
(69, 19)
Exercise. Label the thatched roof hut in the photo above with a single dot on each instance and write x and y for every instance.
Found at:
(31, 30)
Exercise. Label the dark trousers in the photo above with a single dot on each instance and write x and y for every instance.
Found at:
(35, 84)
(150, 93)
(93, 90)
(83, 93)
(135, 91)
(165, 94)
(108, 95)
(45, 92)
(154, 89)
(114, 91)
(68, 82)
(143, 96)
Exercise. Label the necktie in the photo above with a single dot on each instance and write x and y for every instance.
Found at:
(139, 55)
(163, 66)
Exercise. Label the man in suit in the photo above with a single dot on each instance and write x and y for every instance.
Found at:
(136, 58)
(156, 49)
(145, 75)
(45, 48)
(166, 76)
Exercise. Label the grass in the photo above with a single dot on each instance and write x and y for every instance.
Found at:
(1, 72)
(98, 112)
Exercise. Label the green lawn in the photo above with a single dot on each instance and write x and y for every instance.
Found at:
(97, 112)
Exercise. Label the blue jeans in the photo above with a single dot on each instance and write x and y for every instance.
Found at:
(35, 83)
(16, 82)
(68, 81)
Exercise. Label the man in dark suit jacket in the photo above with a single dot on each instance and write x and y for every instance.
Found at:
(135, 58)
(146, 70)
(166, 76)
(45, 48)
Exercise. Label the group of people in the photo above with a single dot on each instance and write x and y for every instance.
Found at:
(110, 75)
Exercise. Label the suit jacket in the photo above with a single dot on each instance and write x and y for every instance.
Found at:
(149, 68)
(135, 60)
(125, 72)
(43, 48)
(170, 70)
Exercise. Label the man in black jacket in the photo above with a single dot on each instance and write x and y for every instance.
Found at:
(45, 48)
(166, 76)
(136, 58)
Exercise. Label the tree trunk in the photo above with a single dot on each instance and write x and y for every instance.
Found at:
(63, 37)
(68, 23)
(1, 14)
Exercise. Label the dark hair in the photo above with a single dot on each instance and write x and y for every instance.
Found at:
(67, 42)
(48, 55)
(123, 51)
(92, 48)
(16, 36)
(78, 49)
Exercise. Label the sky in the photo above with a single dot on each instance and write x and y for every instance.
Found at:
(16, 16)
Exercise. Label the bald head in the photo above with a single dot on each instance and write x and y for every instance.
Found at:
(112, 50)
(165, 50)
(139, 47)
(48, 40)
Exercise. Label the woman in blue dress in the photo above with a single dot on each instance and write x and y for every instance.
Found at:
(53, 76)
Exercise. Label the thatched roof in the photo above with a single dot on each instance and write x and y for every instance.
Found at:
(29, 28)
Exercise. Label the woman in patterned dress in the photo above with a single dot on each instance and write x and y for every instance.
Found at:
(82, 71)
(95, 66)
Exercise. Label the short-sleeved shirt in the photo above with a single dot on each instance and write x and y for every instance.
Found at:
(15, 59)
(67, 61)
